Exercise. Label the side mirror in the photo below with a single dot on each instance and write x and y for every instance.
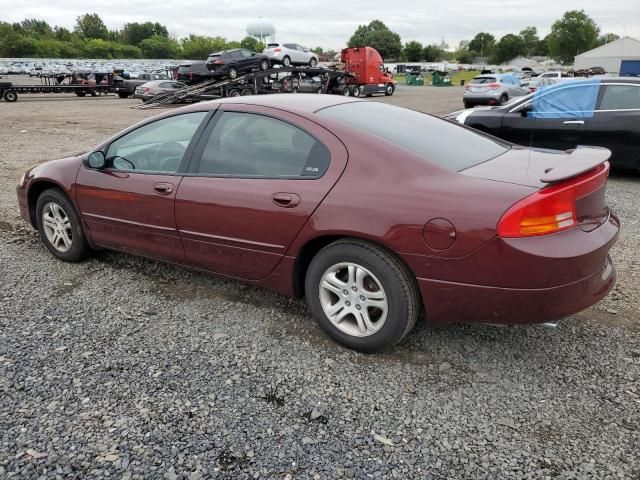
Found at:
(525, 109)
(96, 160)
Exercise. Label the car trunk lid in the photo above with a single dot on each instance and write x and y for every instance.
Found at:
(579, 175)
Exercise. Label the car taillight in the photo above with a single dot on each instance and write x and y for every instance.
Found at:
(218, 62)
(277, 50)
(146, 90)
(551, 209)
(494, 86)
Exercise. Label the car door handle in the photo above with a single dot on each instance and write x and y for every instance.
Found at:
(286, 200)
(573, 122)
(163, 188)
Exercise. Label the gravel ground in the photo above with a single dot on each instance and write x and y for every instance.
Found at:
(121, 367)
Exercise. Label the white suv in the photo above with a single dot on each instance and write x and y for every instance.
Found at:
(290, 54)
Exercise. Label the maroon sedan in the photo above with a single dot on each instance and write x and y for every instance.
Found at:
(374, 213)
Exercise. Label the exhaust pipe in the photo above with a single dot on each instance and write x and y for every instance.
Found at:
(550, 325)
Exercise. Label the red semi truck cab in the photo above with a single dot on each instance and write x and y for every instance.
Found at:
(370, 74)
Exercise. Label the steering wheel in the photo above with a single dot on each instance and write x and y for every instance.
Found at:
(122, 163)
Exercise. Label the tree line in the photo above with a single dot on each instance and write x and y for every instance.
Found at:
(570, 35)
(90, 38)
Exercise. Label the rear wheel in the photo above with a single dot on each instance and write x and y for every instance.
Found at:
(60, 227)
(355, 91)
(286, 61)
(234, 93)
(10, 96)
(81, 94)
(468, 105)
(313, 62)
(389, 90)
(232, 72)
(346, 91)
(123, 94)
(362, 296)
(503, 99)
(246, 92)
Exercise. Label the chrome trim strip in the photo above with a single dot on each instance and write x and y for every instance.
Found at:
(229, 239)
(128, 222)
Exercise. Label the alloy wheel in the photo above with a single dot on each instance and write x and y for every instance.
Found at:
(353, 299)
(57, 227)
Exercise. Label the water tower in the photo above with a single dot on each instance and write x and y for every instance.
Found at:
(263, 30)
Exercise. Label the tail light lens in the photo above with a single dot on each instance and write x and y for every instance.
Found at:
(146, 90)
(277, 50)
(494, 86)
(218, 62)
(551, 209)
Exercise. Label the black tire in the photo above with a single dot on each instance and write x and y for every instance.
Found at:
(246, 92)
(346, 91)
(503, 99)
(264, 64)
(232, 72)
(286, 61)
(295, 90)
(123, 94)
(398, 283)
(468, 105)
(319, 90)
(388, 91)
(10, 96)
(313, 62)
(81, 94)
(355, 91)
(80, 248)
(234, 93)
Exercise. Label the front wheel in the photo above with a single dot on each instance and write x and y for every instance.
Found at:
(355, 91)
(286, 62)
(10, 96)
(389, 90)
(123, 94)
(264, 65)
(313, 62)
(233, 73)
(346, 91)
(362, 296)
(59, 226)
(503, 99)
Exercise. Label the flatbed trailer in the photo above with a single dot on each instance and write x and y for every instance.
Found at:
(254, 83)
(54, 84)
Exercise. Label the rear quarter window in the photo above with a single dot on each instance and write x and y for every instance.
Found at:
(444, 143)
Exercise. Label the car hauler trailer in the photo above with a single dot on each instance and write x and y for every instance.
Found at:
(275, 80)
(369, 75)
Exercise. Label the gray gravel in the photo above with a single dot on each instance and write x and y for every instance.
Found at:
(121, 367)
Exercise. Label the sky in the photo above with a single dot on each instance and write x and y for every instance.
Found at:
(330, 23)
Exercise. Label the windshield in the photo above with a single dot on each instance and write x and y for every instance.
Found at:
(447, 144)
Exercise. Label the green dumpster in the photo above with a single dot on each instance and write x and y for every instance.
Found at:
(414, 78)
(441, 79)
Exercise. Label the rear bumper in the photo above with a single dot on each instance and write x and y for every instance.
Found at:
(461, 303)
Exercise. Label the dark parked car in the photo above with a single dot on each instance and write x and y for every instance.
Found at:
(192, 73)
(601, 112)
(127, 87)
(373, 212)
(231, 63)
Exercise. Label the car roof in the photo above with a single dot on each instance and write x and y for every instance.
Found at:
(299, 103)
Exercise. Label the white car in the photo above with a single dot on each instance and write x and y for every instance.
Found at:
(290, 54)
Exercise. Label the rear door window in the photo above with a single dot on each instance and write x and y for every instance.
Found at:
(620, 97)
(248, 145)
(444, 143)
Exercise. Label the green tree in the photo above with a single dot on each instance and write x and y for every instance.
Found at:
(134, 33)
(378, 36)
(62, 34)
(159, 47)
(35, 28)
(251, 43)
(607, 38)
(413, 51)
(90, 25)
(530, 38)
(196, 47)
(573, 34)
(509, 47)
(317, 50)
(483, 43)
(432, 53)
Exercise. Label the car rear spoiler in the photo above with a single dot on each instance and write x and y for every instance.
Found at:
(578, 161)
